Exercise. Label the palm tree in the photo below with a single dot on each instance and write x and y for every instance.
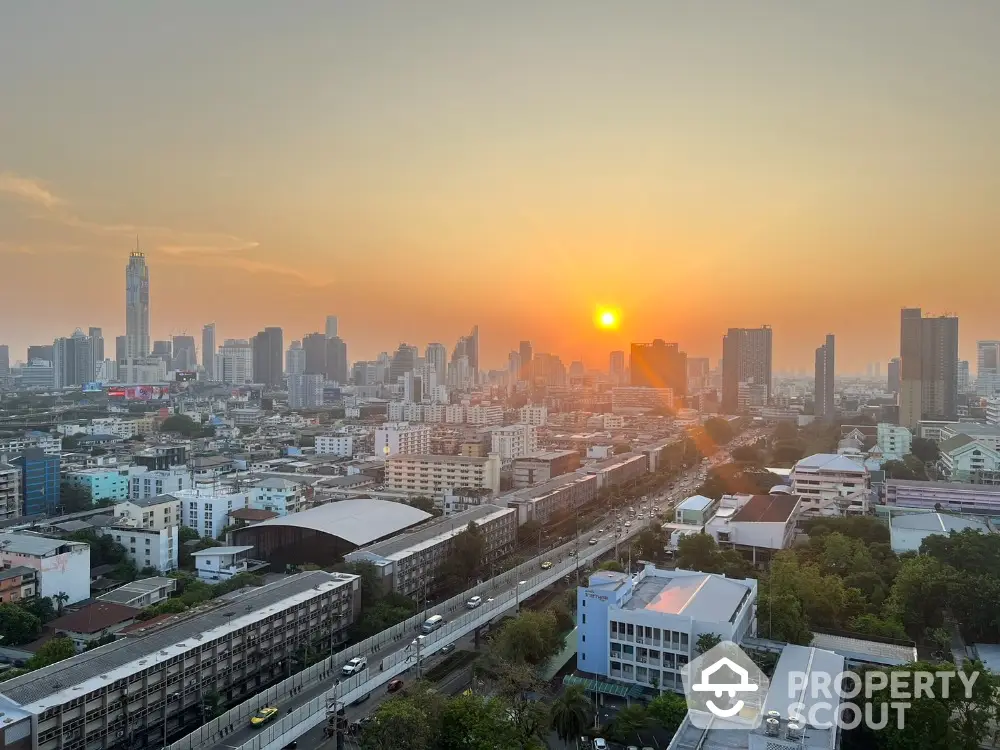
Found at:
(61, 598)
(570, 713)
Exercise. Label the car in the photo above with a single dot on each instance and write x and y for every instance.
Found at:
(632, 747)
(627, 524)
(447, 648)
(593, 541)
(263, 716)
(354, 666)
(546, 565)
(474, 602)
(600, 530)
(394, 686)
(600, 743)
(572, 553)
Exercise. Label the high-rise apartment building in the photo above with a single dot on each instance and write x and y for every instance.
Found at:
(437, 354)
(964, 377)
(208, 350)
(659, 365)
(616, 367)
(468, 346)
(331, 326)
(163, 351)
(928, 349)
(314, 345)
(121, 349)
(524, 349)
(514, 366)
(893, 382)
(746, 359)
(96, 348)
(987, 368)
(73, 360)
(824, 387)
(137, 306)
(268, 352)
(185, 354)
(336, 360)
(304, 391)
(403, 361)
(4, 360)
(699, 369)
(295, 360)
(234, 362)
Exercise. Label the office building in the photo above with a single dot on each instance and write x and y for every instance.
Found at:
(395, 438)
(96, 336)
(893, 383)
(410, 564)
(145, 483)
(525, 352)
(11, 496)
(468, 346)
(73, 360)
(928, 348)
(268, 353)
(38, 374)
(698, 373)
(62, 566)
(295, 359)
(42, 351)
(824, 383)
(433, 475)
(208, 350)
(336, 360)
(234, 362)
(542, 466)
(185, 355)
(335, 445)
(513, 441)
(39, 481)
(305, 391)
(437, 354)
(137, 307)
(4, 360)
(237, 648)
(121, 350)
(163, 351)
(644, 629)
(331, 327)
(314, 345)
(616, 367)
(403, 361)
(659, 365)
(746, 359)
(987, 368)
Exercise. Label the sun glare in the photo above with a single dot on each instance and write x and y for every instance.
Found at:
(606, 319)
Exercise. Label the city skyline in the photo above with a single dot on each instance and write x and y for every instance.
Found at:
(525, 206)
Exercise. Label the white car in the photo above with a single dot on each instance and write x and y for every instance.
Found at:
(355, 665)
(627, 524)
(600, 743)
(474, 602)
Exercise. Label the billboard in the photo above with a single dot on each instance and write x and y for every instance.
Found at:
(93, 388)
(140, 392)
(185, 376)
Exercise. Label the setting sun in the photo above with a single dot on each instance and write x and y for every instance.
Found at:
(606, 318)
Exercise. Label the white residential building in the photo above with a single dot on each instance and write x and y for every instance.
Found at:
(156, 513)
(217, 564)
(536, 416)
(335, 445)
(434, 475)
(207, 512)
(514, 441)
(894, 440)
(966, 459)
(234, 362)
(148, 548)
(404, 411)
(829, 483)
(50, 444)
(395, 438)
(484, 414)
(454, 414)
(757, 524)
(993, 411)
(612, 421)
(276, 495)
(145, 483)
(434, 413)
(10, 490)
(63, 566)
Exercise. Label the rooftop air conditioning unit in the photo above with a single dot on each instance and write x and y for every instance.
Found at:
(793, 731)
(772, 727)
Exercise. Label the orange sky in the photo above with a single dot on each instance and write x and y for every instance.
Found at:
(421, 170)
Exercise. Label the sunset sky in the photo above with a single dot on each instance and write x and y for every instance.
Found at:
(419, 167)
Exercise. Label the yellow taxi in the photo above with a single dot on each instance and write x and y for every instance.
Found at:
(546, 565)
(263, 716)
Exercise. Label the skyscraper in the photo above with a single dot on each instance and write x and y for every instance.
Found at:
(185, 356)
(44, 352)
(963, 376)
(468, 346)
(616, 367)
(234, 362)
(659, 365)
(746, 358)
(437, 354)
(987, 367)
(97, 348)
(514, 367)
(4, 360)
(698, 373)
(824, 388)
(73, 360)
(893, 383)
(295, 360)
(331, 326)
(208, 350)
(928, 349)
(137, 306)
(403, 361)
(336, 360)
(268, 353)
(524, 349)
(121, 349)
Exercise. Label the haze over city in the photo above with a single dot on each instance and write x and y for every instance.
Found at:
(420, 168)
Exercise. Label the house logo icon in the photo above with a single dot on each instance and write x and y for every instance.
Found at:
(725, 689)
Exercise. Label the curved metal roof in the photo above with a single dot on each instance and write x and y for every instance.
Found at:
(359, 521)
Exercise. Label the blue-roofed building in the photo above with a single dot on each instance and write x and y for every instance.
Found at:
(907, 532)
(39, 481)
(643, 629)
(695, 511)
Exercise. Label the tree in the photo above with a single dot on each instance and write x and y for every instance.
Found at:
(18, 625)
(667, 710)
(707, 641)
(60, 599)
(628, 721)
(719, 430)
(39, 606)
(475, 722)
(746, 454)
(570, 713)
(924, 450)
(532, 638)
(465, 561)
(612, 565)
(52, 651)
(919, 595)
(424, 503)
(785, 431)
(182, 424)
(74, 498)
(780, 618)
(398, 725)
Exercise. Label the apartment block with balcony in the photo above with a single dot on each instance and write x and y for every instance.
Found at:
(395, 438)
(155, 681)
(563, 495)
(433, 475)
(145, 483)
(10, 491)
(207, 511)
(513, 441)
(147, 547)
(830, 484)
(100, 484)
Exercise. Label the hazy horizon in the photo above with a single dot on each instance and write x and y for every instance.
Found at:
(416, 169)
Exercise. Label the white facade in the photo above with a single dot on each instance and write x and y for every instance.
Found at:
(50, 444)
(295, 359)
(63, 567)
(764, 522)
(221, 563)
(10, 491)
(155, 513)
(895, 441)
(433, 475)
(143, 484)
(827, 482)
(305, 391)
(612, 421)
(454, 414)
(207, 512)
(234, 362)
(965, 459)
(395, 438)
(513, 441)
(945, 496)
(403, 411)
(335, 445)
(276, 495)
(483, 414)
(993, 411)
(148, 548)
(536, 416)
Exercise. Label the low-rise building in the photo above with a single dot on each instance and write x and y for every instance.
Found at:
(207, 511)
(63, 567)
(217, 564)
(18, 583)
(484, 415)
(537, 416)
(235, 646)
(141, 593)
(967, 459)
(100, 484)
(158, 549)
(276, 495)
(49, 444)
(695, 510)
(513, 441)
(635, 399)
(396, 438)
(542, 466)
(894, 440)
(432, 475)
(618, 470)
(907, 531)
(828, 482)
(152, 512)
(560, 496)
(335, 445)
(161, 457)
(956, 497)
(760, 525)
(93, 621)
(644, 629)
(10, 490)
(154, 482)
(411, 563)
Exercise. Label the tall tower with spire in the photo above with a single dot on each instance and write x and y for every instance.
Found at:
(137, 305)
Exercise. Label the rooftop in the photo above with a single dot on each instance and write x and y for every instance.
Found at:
(128, 592)
(547, 488)
(935, 522)
(982, 489)
(767, 509)
(954, 443)
(546, 456)
(862, 649)
(358, 521)
(15, 571)
(431, 458)
(32, 544)
(95, 617)
(696, 503)
(212, 551)
(90, 670)
(275, 483)
(146, 502)
(251, 514)
(701, 596)
(829, 462)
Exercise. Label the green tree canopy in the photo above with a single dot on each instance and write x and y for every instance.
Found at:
(924, 450)
(18, 625)
(570, 713)
(52, 651)
(719, 430)
(181, 424)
